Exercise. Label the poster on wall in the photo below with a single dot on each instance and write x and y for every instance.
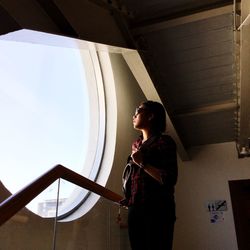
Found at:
(216, 216)
(216, 205)
(216, 209)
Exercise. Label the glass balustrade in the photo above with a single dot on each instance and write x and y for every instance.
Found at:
(100, 229)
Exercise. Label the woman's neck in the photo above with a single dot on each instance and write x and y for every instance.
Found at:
(146, 134)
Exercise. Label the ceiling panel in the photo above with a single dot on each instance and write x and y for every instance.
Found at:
(215, 127)
(148, 11)
(193, 68)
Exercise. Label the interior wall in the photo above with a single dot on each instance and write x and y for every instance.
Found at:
(202, 179)
(129, 96)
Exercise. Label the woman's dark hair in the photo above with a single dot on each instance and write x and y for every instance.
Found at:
(159, 115)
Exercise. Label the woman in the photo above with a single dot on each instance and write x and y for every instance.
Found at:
(149, 180)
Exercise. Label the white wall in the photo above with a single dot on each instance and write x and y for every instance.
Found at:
(206, 178)
(129, 96)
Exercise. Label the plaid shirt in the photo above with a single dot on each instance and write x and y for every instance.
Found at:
(159, 152)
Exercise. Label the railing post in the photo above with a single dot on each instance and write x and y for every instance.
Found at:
(55, 221)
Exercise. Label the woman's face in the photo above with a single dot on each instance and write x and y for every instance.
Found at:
(141, 118)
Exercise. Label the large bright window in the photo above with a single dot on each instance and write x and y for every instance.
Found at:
(52, 112)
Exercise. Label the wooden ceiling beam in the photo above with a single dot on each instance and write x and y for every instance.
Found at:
(207, 109)
(57, 17)
(144, 29)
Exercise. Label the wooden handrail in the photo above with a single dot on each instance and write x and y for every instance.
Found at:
(17, 201)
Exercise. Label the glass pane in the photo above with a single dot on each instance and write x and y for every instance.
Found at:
(98, 230)
(26, 232)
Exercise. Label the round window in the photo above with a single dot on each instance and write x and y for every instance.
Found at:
(52, 112)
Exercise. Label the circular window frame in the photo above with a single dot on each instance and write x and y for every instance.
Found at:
(94, 77)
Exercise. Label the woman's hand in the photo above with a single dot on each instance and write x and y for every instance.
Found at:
(137, 157)
(123, 202)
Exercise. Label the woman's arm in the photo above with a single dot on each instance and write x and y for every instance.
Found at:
(154, 172)
(137, 158)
